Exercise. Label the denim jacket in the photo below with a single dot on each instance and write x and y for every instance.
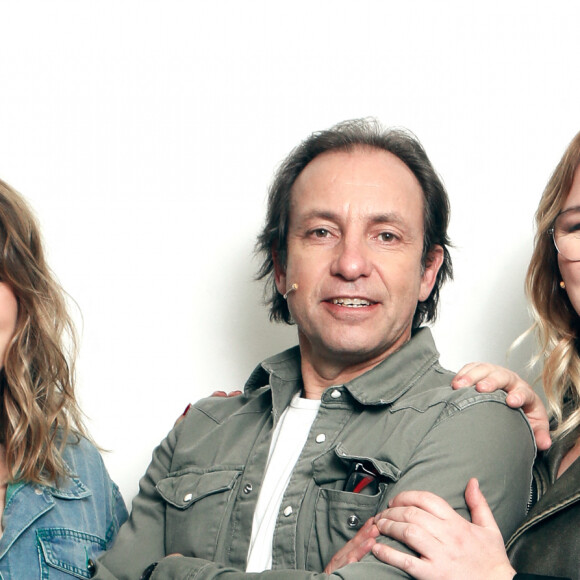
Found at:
(54, 533)
(401, 420)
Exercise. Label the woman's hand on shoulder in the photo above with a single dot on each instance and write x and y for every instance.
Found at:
(487, 377)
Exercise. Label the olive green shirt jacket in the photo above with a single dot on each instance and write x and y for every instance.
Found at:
(402, 418)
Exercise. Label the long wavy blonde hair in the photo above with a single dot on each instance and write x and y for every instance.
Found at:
(555, 320)
(38, 409)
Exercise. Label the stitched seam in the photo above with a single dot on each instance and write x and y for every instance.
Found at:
(549, 512)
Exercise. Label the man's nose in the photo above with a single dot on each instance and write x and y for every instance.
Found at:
(352, 259)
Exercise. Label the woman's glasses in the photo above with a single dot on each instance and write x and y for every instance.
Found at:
(566, 234)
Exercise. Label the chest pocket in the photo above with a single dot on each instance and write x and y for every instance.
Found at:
(68, 551)
(198, 502)
(339, 514)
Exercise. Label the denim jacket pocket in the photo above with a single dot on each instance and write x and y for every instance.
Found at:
(68, 551)
(339, 514)
(198, 501)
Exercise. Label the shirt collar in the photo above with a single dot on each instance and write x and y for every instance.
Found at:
(394, 376)
(382, 384)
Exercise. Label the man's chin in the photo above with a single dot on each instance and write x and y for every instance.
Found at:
(354, 354)
(357, 350)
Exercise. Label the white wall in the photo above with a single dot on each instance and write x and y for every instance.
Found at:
(145, 134)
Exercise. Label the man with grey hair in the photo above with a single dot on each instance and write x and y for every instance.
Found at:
(270, 484)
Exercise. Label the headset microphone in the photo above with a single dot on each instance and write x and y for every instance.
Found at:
(293, 288)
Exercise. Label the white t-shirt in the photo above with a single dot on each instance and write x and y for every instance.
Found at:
(288, 440)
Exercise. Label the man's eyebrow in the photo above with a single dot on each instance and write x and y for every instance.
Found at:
(387, 218)
(318, 214)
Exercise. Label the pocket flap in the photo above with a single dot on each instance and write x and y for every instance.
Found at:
(335, 464)
(183, 489)
(70, 550)
(385, 469)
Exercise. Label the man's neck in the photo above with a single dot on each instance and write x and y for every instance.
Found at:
(320, 373)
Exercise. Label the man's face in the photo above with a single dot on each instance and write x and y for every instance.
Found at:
(354, 248)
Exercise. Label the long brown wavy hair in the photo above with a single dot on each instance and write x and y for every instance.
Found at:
(39, 411)
(556, 322)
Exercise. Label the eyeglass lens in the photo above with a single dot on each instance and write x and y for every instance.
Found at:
(567, 234)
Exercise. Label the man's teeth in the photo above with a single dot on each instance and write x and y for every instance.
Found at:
(351, 302)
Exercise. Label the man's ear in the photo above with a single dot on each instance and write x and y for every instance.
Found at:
(432, 266)
(279, 272)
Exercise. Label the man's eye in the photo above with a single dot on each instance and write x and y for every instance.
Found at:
(321, 233)
(387, 237)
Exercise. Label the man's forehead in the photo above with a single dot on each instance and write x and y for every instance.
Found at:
(349, 175)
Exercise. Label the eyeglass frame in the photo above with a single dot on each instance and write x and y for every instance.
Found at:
(551, 231)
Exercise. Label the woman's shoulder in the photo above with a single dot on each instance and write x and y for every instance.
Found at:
(78, 445)
(84, 460)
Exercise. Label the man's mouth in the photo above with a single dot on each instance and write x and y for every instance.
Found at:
(351, 302)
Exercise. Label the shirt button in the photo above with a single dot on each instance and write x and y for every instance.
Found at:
(38, 491)
(288, 511)
(336, 394)
(352, 521)
(320, 438)
(248, 488)
(188, 497)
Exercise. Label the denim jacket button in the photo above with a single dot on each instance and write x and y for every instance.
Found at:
(288, 511)
(352, 521)
(248, 488)
(91, 567)
(188, 497)
(335, 394)
(38, 491)
(320, 438)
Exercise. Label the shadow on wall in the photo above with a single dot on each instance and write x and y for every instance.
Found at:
(481, 316)
(246, 316)
(505, 315)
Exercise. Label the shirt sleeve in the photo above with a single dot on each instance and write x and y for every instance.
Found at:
(483, 439)
(140, 540)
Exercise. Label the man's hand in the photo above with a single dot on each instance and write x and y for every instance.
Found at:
(448, 545)
(487, 378)
(354, 549)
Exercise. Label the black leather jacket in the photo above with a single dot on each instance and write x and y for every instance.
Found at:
(548, 540)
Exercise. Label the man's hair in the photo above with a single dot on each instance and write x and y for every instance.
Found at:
(348, 136)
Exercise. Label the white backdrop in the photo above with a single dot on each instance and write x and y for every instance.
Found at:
(145, 134)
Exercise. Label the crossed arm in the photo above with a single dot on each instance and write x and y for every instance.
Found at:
(142, 540)
(447, 545)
